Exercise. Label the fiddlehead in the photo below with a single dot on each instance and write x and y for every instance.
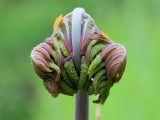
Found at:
(93, 64)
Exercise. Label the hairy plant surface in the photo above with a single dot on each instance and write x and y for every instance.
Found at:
(101, 61)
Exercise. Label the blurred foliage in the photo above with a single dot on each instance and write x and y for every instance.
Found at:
(133, 23)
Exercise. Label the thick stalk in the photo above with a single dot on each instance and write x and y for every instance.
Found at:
(76, 35)
(81, 106)
(81, 98)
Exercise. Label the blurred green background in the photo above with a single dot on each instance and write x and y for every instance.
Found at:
(133, 23)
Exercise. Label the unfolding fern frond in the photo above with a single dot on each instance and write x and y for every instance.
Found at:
(102, 61)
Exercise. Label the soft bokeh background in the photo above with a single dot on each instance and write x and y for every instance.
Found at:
(133, 23)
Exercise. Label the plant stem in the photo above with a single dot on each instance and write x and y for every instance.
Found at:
(81, 98)
(81, 106)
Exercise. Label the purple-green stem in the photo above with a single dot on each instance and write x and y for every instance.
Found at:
(81, 106)
(81, 98)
